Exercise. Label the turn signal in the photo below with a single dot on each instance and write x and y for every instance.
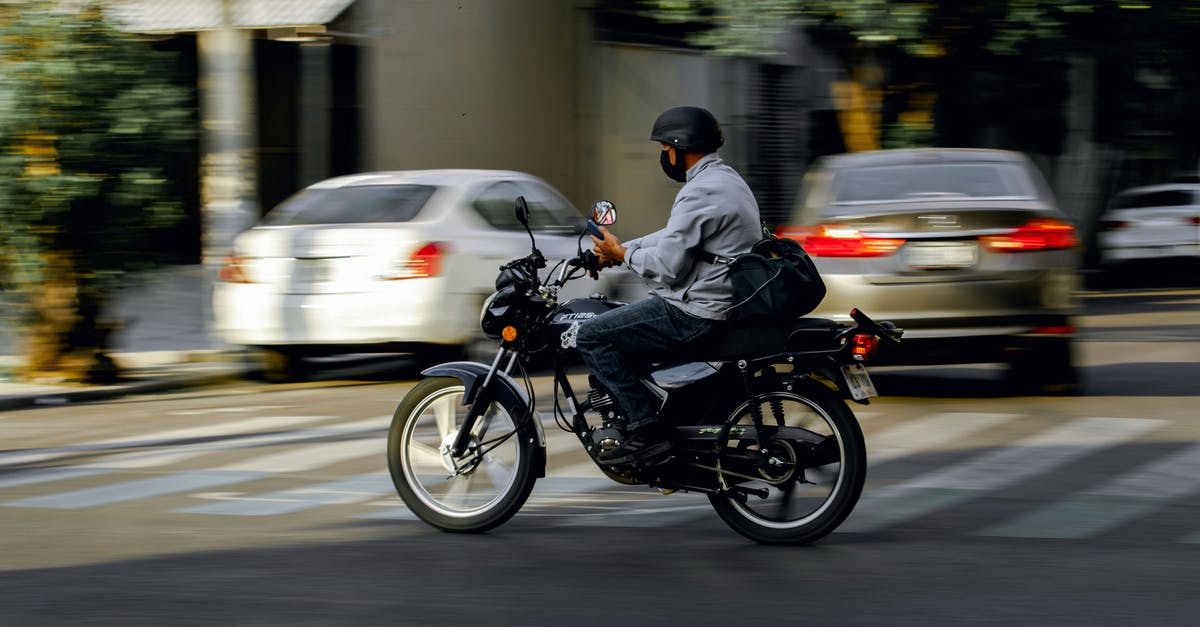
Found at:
(509, 333)
(864, 346)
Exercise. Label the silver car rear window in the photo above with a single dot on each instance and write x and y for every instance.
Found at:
(934, 181)
(351, 205)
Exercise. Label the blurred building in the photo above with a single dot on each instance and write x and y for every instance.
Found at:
(567, 90)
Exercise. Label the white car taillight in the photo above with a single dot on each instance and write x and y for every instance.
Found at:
(425, 262)
(233, 270)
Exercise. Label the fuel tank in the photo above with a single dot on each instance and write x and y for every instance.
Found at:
(561, 331)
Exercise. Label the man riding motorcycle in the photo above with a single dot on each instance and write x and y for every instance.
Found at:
(713, 214)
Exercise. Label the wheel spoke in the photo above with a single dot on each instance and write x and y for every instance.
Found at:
(421, 453)
(497, 471)
(785, 500)
(444, 411)
(460, 490)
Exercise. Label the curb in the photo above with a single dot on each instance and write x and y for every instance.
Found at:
(148, 384)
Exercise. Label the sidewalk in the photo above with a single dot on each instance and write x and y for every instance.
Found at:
(164, 344)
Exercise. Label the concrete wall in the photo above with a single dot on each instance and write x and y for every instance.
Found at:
(521, 85)
(473, 83)
(622, 90)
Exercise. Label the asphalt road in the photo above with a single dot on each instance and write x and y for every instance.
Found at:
(270, 504)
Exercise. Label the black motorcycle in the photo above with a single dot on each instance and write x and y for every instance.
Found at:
(759, 415)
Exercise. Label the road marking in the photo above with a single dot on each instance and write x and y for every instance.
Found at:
(177, 453)
(163, 438)
(1108, 505)
(997, 469)
(292, 461)
(310, 457)
(352, 489)
(931, 433)
(174, 483)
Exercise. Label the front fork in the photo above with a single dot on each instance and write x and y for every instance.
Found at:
(478, 399)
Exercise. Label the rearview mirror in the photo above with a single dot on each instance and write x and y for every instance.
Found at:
(604, 213)
(522, 210)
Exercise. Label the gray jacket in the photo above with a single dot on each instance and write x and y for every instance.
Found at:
(714, 212)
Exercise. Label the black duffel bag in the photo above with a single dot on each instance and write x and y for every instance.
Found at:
(776, 280)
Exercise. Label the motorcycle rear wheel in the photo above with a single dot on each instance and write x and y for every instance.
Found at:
(475, 492)
(802, 504)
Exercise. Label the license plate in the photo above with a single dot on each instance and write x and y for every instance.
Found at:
(312, 271)
(859, 382)
(930, 255)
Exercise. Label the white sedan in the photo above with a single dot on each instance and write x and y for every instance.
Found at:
(1151, 222)
(385, 262)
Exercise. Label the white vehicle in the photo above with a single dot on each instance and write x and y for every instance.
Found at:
(384, 262)
(1151, 222)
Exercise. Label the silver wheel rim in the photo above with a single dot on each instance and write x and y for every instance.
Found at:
(807, 502)
(483, 482)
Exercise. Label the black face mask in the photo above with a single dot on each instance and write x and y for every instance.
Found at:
(678, 171)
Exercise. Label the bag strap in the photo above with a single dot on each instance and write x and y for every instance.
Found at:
(708, 257)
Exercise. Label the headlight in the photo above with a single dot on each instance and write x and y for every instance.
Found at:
(487, 302)
(495, 312)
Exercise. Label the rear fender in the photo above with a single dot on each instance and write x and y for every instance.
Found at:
(833, 372)
(508, 393)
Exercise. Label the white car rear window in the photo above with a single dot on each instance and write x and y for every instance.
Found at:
(1161, 198)
(350, 205)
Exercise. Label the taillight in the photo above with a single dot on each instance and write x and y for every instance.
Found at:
(864, 346)
(1194, 220)
(233, 270)
(839, 240)
(424, 263)
(1037, 234)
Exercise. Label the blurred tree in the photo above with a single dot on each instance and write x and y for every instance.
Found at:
(89, 120)
(962, 72)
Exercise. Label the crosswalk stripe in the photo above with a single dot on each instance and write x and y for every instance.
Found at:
(310, 457)
(1110, 504)
(126, 491)
(223, 430)
(928, 433)
(991, 471)
(178, 453)
(352, 489)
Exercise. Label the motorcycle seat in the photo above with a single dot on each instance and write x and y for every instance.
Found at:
(757, 339)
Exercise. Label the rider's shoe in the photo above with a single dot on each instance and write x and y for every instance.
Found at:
(644, 442)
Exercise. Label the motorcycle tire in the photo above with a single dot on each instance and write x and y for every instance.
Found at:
(476, 492)
(802, 504)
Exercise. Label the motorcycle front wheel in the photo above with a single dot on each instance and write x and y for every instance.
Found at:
(476, 491)
(811, 483)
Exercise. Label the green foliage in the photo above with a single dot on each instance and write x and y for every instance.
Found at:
(90, 119)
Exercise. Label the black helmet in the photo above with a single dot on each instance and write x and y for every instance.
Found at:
(688, 128)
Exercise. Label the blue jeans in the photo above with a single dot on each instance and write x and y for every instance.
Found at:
(620, 344)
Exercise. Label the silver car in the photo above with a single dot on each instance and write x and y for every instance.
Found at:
(963, 248)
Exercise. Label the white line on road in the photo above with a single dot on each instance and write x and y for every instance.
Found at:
(1110, 504)
(991, 471)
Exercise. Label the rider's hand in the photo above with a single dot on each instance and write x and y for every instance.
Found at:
(609, 250)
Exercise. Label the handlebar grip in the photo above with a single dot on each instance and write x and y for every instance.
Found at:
(593, 229)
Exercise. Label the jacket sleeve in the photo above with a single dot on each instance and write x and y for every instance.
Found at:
(667, 256)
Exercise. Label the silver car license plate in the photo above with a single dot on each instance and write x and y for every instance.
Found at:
(930, 255)
(859, 382)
